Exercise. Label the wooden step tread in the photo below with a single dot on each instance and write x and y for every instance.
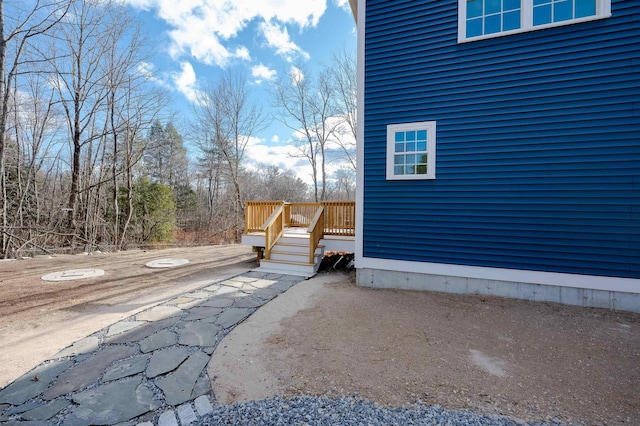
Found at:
(287, 262)
(302, 252)
(291, 245)
(278, 243)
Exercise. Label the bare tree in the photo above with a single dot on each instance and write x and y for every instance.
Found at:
(24, 25)
(34, 129)
(137, 109)
(233, 119)
(272, 183)
(124, 83)
(81, 84)
(343, 184)
(307, 107)
(343, 72)
(101, 90)
(210, 167)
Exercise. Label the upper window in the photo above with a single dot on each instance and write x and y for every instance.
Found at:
(549, 11)
(479, 19)
(492, 16)
(411, 151)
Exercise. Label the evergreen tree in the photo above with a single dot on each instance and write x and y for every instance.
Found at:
(165, 156)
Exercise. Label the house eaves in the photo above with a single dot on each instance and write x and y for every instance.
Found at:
(354, 9)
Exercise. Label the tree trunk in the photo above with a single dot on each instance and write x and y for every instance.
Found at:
(4, 103)
(114, 173)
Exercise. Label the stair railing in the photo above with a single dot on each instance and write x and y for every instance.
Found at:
(273, 229)
(316, 232)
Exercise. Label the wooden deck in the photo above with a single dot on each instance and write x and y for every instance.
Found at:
(326, 226)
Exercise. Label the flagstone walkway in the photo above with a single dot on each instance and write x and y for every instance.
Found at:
(145, 370)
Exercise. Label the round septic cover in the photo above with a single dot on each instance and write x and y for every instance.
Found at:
(166, 263)
(73, 274)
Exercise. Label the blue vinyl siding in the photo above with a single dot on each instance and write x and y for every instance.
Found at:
(538, 142)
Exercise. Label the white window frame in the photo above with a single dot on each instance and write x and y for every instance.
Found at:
(430, 127)
(603, 10)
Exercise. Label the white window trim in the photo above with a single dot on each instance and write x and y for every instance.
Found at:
(603, 10)
(430, 126)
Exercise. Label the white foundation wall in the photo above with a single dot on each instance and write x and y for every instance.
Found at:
(569, 295)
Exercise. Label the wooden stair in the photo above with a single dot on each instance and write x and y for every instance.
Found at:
(290, 256)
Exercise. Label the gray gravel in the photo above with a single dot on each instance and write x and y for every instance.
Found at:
(346, 411)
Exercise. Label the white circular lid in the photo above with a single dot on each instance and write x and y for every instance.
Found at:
(73, 274)
(166, 263)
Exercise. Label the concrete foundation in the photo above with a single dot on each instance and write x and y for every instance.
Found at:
(378, 278)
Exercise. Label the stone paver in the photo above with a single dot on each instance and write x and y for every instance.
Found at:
(224, 290)
(202, 386)
(198, 333)
(177, 386)
(20, 409)
(219, 302)
(262, 283)
(203, 405)
(246, 302)
(165, 361)
(122, 326)
(83, 346)
(144, 331)
(155, 359)
(115, 402)
(87, 371)
(127, 368)
(159, 313)
(186, 414)
(266, 293)
(202, 313)
(185, 302)
(159, 340)
(243, 279)
(167, 418)
(234, 283)
(199, 295)
(45, 412)
(32, 383)
(233, 316)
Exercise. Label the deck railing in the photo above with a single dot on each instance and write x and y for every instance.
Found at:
(257, 213)
(340, 216)
(301, 214)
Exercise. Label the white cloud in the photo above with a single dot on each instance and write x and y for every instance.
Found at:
(296, 75)
(261, 152)
(186, 82)
(140, 4)
(343, 4)
(277, 37)
(262, 73)
(206, 29)
(285, 157)
(197, 39)
(148, 70)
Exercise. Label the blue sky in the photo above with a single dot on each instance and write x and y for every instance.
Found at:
(197, 39)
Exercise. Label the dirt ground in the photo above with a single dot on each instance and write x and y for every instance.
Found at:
(533, 361)
(39, 318)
